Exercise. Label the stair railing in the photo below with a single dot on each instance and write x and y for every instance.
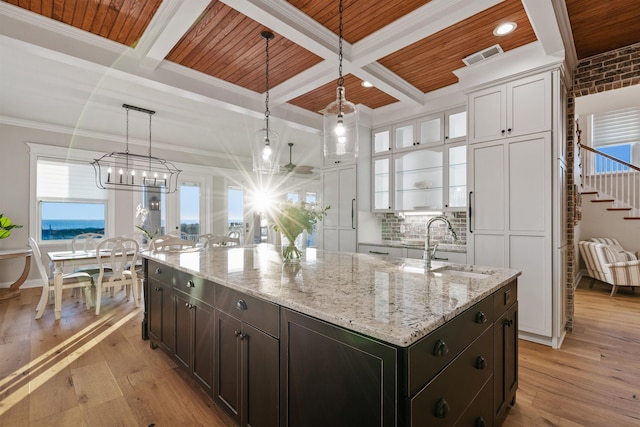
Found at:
(612, 178)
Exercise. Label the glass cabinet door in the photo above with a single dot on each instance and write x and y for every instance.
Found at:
(404, 136)
(382, 184)
(457, 176)
(456, 126)
(381, 141)
(418, 180)
(431, 130)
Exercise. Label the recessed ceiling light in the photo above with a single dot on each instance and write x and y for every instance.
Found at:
(366, 84)
(504, 29)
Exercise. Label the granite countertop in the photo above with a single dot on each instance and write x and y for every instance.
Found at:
(390, 299)
(417, 244)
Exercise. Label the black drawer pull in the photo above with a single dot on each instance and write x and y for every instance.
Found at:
(158, 271)
(157, 289)
(480, 422)
(481, 363)
(440, 349)
(378, 253)
(508, 322)
(237, 333)
(442, 408)
(241, 305)
(481, 317)
(189, 306)
(190, 284)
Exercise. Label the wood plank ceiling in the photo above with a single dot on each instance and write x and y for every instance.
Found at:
(225, 44)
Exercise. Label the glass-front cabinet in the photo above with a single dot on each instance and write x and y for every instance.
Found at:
(420, 165)
(382, 184)
(418, 180)
(457, 176)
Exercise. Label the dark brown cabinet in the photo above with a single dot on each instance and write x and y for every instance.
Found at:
(334, 377)
(161, 307)
(247, 356)
(505, 343)
(194, 338)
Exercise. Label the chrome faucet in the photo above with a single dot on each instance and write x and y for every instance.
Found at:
(428, 252)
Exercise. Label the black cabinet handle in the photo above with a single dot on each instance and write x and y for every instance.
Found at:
(189, 306)
(379, 253)
(481, 363)
(191, 284)
(243, 337)
(509, 130)
(241, 305)
(480, 422)
(157, 289)
(481, 317)
(440, 349)
(442, 408)
(237, 333)
(469, 208)
(158, 271)
(508, 322)
(353, 210)
(502, 131)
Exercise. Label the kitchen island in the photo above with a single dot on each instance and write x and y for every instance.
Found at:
(340, 339)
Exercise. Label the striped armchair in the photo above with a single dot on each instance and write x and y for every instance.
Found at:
(607, 264)
(613, 244)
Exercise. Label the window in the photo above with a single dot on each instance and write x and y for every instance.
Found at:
(190, 209)
(312, 238)
(235, 206)
(616, 133)
(68, 200)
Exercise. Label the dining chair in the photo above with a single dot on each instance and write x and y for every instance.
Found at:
(86, 242)
(170, 242)
(115, 256)
(69, 281)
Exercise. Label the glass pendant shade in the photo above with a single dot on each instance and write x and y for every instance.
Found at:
(265, 152)
(340, 129)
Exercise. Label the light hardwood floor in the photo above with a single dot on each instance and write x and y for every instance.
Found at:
(96, 371)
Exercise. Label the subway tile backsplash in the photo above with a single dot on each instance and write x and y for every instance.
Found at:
(415, 227)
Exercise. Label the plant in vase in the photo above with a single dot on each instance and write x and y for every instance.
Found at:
(141, 216)
(6, 226)
(291, 219)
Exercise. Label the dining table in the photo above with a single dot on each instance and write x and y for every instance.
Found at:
(62, 259)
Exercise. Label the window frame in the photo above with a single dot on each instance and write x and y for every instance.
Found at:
(62, 155)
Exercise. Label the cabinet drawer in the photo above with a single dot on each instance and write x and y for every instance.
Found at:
(196, 287)
(504, 298)
(429, 355)
(444, 400)
(479, 413)
(261, 314)
(381, 250)
(159, 272)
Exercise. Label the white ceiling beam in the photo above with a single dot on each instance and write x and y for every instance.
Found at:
(544, 23)
(172, 20)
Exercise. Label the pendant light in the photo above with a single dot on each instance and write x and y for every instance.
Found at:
(134, 172)
(340, 121)
(265, 147)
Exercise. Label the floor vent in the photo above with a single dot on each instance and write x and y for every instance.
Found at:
(474, 58)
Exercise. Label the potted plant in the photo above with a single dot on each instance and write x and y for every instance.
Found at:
(6, 226)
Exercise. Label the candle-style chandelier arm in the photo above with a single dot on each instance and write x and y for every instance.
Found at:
(134, 172)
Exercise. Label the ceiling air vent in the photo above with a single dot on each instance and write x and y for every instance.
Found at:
(474, 58)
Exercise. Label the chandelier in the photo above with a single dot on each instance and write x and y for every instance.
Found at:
(135, 172)
(340, 118)
(265, 147)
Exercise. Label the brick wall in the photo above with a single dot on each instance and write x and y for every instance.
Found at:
(608, 71)
(415, 227)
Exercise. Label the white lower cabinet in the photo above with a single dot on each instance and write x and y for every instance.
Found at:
(413, 253)
(510, 221)
(339, 226)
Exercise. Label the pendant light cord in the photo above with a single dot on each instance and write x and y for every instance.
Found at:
(267, 113)
(340, 78)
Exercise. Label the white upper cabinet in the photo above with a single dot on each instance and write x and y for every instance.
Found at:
(521, 107)
(413, 169)
(455, 125)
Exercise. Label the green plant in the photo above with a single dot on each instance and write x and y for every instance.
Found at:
(291, 219)
(6, 226)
